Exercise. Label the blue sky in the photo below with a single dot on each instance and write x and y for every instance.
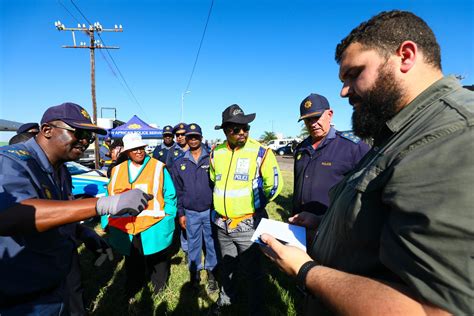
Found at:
(263, 55)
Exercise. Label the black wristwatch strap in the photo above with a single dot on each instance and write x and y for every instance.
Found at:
(301, 276)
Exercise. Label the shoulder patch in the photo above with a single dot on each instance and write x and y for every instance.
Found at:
(178, 155)
(350, 136)
(16, 153)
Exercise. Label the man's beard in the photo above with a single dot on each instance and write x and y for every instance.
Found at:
(377, 106)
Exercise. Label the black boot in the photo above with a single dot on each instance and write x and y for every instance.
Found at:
(211, 282)
(195, 279)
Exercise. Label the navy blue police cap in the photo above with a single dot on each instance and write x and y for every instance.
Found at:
(168, 130)
(193, 129)
(180, 127)
(313, 105)
(26, 127)
(73, 115)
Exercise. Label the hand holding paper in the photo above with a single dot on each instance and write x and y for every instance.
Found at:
(291, 234)
(288, 258)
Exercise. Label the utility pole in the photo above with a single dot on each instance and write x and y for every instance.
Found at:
(93, 45)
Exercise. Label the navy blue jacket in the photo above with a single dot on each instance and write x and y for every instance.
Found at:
(316, 171)
(32, 263)
(161, 152)
(192, 183)
(174, 153)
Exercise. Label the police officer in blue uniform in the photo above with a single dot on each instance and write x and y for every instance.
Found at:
(161, 152)
(176, 151)
(194, 191)
(180, 146)
(36, 210)
(322, 159)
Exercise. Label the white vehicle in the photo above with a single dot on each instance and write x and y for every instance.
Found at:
(277, 143)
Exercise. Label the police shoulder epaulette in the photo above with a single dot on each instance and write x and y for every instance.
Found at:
(181, 154)
(15, 152)
(350, 136)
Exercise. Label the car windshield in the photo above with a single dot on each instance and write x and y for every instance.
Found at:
(76, 168)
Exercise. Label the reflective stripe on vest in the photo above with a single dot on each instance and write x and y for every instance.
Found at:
(149, 180)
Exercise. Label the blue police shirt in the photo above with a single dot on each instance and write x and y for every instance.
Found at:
(317, 170)
(192, 182)
(161, 152)
(32, 263)
(174, 153)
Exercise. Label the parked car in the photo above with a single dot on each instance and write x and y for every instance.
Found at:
(284, 150)
(87, 182)
(281, 142)
(88, 158)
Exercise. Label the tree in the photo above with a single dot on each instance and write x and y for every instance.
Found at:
(268, 136)
(304, 132)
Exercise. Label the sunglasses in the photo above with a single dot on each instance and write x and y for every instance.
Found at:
(237, 129)
(78, 133)
(179, 134)
(136, 150)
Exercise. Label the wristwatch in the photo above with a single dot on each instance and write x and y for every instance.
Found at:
(301, 276)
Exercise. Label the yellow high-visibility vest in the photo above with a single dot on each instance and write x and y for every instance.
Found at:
(235, 174)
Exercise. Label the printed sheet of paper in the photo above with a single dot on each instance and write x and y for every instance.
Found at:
(291, 234)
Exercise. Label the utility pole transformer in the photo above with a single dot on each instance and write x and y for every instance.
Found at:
(93, 45)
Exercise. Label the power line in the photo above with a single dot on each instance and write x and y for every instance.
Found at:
(123, 78)
(200, 45)
(80, 12)
(113, 61)
(72, 15)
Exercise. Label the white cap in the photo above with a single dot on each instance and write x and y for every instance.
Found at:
(132, 141)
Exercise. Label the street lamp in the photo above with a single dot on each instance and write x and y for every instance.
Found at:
(182, 103)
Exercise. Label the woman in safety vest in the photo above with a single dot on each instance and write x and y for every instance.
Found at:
(144, 240)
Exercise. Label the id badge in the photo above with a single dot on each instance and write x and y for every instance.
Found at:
(242, 167)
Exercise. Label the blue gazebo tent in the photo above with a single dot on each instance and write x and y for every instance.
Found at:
(136, 125)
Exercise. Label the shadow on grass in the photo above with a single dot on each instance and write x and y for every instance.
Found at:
(188, 303)
(284, 204)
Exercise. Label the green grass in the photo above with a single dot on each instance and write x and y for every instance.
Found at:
(105, 293)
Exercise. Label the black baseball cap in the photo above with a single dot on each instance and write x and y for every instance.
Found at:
(313, 105)
(234, 114)
(73, 115)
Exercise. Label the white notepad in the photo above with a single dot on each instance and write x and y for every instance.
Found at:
(291, 234)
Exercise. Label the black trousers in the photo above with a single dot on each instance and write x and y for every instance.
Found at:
(140, 269)
(74, 298)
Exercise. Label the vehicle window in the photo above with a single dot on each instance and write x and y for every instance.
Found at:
(75, 168)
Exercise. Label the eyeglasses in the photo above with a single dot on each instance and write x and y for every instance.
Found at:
(236, 129)
(78, 133)
(179, 134)
(193, 136)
